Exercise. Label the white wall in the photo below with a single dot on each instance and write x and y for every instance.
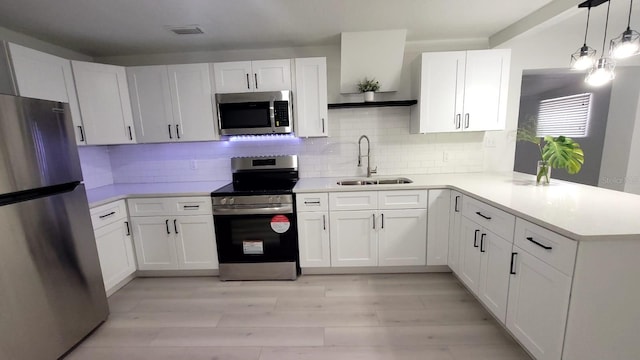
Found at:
(96, 166)
(37, 44)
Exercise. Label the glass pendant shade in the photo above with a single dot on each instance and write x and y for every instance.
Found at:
(625, 45)
(601, 73)
(584, 58)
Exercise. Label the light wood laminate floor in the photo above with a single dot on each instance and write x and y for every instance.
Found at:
(355, 317)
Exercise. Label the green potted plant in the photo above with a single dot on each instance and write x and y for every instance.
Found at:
(558, 152)
(368, 87)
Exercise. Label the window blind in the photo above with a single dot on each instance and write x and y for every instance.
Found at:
(567, 116)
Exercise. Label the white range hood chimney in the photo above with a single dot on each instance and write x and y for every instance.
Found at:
(371, 54)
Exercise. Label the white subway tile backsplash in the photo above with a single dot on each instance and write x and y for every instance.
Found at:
(96, 166)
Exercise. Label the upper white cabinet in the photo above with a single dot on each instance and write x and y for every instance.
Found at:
(249, 76)
(48, 77)
(460, 91)
(172, 103)
(311, 97)
(104, 103)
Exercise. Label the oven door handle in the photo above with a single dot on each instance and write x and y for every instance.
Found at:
(257, 210)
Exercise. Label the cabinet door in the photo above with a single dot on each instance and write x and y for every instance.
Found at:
(441, 92)
(402, 239)
(469, 266)
(104, 103)
(354, 239)
(313, 239)
(191, 98)
(151, 103)
(272, 75)
(48, 77)
(155, 243)
(233, 77)
(195, 242)
(311, 97)
(438, 227)
(115, 252)
(485, 89)
(493, 288)
(454, 231)
(538, 306)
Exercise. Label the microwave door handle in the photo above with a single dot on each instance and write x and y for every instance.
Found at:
(272, 116)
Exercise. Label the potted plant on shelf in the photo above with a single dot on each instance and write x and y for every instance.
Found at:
(558, 152)
(368, 87)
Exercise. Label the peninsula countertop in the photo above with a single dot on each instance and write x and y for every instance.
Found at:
(577, 211)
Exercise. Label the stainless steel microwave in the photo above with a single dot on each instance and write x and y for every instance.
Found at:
(255, 113)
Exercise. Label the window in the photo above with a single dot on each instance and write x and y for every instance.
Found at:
(567, 116)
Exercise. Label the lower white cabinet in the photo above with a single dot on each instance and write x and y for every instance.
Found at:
(354, 241)
(155, 244)
(438, 227)
(455, 216)
(538, 305)
(313, 239)
(402, 237)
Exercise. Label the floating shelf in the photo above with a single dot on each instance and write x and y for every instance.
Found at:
(373, 104)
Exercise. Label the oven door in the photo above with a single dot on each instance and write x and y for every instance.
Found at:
(245, 118)
(255, 238)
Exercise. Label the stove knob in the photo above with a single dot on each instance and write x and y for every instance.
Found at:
(231, 201)
(223, 201)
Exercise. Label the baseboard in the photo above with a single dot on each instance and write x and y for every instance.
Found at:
(120, 284)
(176, 273)
(374, 270)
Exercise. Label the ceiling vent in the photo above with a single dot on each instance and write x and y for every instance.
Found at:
(187, 30)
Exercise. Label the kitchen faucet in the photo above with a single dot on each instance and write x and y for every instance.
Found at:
(360, 156)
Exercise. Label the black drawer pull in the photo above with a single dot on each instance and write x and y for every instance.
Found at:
(483, 215)
(166, 222)
(482, 242)
(475, 238)
(455, 207)
(107, 215)
(537, 243)
(312, 202)
(128, 228)
(191, 207)
(513, 261)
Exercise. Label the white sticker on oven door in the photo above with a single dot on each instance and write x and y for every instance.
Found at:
(252, 247)
(280, 224)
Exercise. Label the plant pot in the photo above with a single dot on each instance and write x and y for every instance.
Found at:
(368, 96)
(543, 173)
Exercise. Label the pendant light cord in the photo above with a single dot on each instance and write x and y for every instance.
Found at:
(586, 31)
(606, 25)
(629, 22)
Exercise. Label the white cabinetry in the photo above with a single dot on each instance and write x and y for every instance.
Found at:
(455, 218)
(540, 286)
(173, 233)
(311, 97)
(313, 229)
(460, 91)
(48, 77)
(104, 101)
(113, 240)
(249, 76)
(172, 103)
(386, 228)
(438, 227)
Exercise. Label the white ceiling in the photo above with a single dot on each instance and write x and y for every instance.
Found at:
(124, 27)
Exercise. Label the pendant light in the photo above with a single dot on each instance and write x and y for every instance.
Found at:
(585, 56)
(628, 43)
(602, 72)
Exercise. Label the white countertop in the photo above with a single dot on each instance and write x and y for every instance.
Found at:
(109, 193)
(577, 211)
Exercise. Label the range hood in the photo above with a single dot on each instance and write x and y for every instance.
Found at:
(371, 54)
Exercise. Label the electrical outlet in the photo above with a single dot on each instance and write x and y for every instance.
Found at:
(194, 164)
(445, 156)
(489, 141)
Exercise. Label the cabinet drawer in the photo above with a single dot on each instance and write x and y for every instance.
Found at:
(108, 213)
(353, 200)
(312, 202)
(402, 199)
(495, 220)
(196, 205)
(554, 249)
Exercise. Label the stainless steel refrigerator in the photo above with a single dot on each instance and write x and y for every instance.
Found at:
(51, 289)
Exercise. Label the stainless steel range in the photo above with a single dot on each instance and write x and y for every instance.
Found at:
(256, 228)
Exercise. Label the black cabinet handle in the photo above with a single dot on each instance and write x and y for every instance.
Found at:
(128, 228)
(475, 238)
(248, 86)
(324, 222)
(107, 215)
(374, 221)
(175, 225)
(539, 244)
(312, 202)
(323, 125)
(166, 222)
(185, 207)
(178, 130)
(81, 133)
(256, 77)
(466, 120)
(170, 136)
(383, 221)
(130, 133)
(483, 215)
(482, 242)
(455, 207)
(456, 121)
(513, 261)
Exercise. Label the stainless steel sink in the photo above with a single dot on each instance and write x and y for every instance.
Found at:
(386, 181)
